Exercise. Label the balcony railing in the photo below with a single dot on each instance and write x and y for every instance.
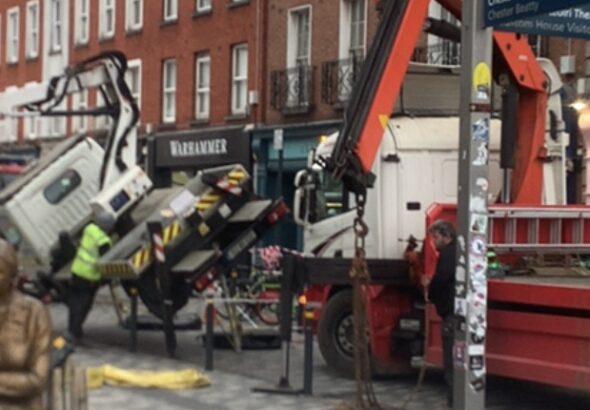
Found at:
(445, 53)
(339, 78)
(292, 89)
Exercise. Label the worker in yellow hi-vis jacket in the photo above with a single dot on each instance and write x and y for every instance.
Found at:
(85, 282)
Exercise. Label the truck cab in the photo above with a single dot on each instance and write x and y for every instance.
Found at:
(414, 149)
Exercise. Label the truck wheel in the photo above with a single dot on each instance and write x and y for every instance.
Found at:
(151, 297)
(335, 333)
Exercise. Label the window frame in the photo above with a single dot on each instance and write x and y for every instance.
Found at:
(168, 90)
(105, 6)
(201, 8)
(130, 24)
(82, 20)
(80, 123)
(238, 80)
(171, 17)
(12, 35)
(57, 183)
(56, 26)
(32, 30)
(200, 59)
(293, 36)
(135, 65)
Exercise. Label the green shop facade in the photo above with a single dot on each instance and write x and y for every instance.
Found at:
(274, 177)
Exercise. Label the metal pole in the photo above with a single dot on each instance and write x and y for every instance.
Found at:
(280, 175)
(133, 321)
(471, 282)
(308, 352)
(209, 336)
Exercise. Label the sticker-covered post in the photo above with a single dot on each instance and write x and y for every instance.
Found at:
(471, 285)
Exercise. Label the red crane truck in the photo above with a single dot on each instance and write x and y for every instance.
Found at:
(538, 324)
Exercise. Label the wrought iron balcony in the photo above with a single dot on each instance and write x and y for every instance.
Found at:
(292, 89)
(339, 78)
(445, 53)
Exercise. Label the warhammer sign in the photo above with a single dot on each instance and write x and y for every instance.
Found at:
(216, 146)
(201, 150)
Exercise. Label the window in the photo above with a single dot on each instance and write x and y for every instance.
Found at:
(298, 57)
(62, 187)
(82, 21)
(203, 5)
(31, 125)
(12, 35)
(101, 121)
(133, 79)
(202, 86)
(56, 126)
(170, 10)
(134, 13)
(239, 79)
(55, 33)
(80, 103)
(357, 28)
(169, 91)
(32, 29)
(299, 37)
(351, 45)
(438, 50)
(107, 19)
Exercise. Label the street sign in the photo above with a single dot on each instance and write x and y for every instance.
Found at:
(278, 139)
(572, 22)
(504, 11)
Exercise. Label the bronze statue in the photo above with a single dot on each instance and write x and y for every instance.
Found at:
(25, 339)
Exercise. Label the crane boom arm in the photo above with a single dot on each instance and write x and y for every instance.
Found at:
(381, 79)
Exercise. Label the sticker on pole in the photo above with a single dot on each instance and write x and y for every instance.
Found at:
(459, 354)
(482, 81)
(481, 130)
(478, 246)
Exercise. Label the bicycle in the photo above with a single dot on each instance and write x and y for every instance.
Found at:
(254, 298)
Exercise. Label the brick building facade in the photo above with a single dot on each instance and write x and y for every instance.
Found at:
(243, 67)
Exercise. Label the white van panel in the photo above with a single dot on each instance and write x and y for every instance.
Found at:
(38, 220)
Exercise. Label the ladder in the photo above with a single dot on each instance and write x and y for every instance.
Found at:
(547, 229)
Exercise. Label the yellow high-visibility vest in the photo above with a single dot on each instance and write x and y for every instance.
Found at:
(84, 265)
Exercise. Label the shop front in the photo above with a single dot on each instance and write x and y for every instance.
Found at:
(173, 156)
(274, 177)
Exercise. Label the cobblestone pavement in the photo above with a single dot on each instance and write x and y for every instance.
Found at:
(236, 374)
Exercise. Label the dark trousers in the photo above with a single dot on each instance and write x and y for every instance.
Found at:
(81, 297)
(448, 338)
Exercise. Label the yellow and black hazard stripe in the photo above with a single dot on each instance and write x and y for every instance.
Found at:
(236, 177)
(207, 201)
(171, 232)
(141, 257)
(115, 269)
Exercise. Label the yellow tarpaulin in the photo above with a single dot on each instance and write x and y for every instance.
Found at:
(172, 380)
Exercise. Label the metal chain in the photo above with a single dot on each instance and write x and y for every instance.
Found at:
(359, 275)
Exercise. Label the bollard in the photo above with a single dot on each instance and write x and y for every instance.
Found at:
(308, 351)
(162, 271)
(209, 336)
(133, 321)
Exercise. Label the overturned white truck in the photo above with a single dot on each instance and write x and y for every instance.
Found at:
(206, 224)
